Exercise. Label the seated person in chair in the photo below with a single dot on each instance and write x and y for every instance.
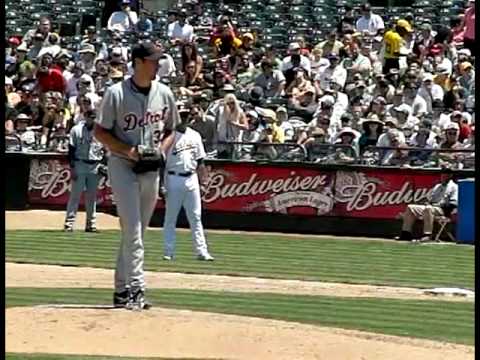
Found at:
(443, 200)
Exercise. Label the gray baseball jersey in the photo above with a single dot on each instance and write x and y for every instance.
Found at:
(126, 112)
(87, 155)
(135, 119)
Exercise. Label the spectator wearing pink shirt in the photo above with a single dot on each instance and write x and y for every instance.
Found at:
(469, 22)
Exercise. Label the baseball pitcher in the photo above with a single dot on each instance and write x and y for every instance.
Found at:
(133, 118)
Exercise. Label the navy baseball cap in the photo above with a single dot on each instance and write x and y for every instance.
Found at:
(146, 50)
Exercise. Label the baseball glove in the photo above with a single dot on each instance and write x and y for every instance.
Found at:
(150, 160)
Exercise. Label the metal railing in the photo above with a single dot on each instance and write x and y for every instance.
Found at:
(254, 151)
(418, 157)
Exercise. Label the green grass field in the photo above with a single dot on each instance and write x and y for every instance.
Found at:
(268, 256)
(347, 261)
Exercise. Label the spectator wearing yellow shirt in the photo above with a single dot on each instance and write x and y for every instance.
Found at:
(394, 41)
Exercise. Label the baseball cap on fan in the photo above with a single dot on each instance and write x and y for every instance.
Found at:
(146, 50)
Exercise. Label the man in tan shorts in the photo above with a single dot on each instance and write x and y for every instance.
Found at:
(442, 201)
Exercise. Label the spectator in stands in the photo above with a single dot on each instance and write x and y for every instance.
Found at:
(369, 22)
(271, 81)
(192, 84)
(180, 32)
(442, 201)
(284, 124)
(356, 63)
(331, 44)
(144, 24)
(299, 85)
(87, 58)
(92, 39)
(372, 128)
(190, 53)
(469, 24)
(347, 23)
(451, 142)
(232, 121)
(305, 105)
(24, 131)
(37, 46)
(294, 60)
(199, 18)
(124, 20)
(318, 62)
(382, 88)
(44, 27)
(49, 78)
(204, 125)
(458, 31)
(226, 41)
(334, 72)
(348, 137)
(424, 41)
(430, 91)
(467, 77)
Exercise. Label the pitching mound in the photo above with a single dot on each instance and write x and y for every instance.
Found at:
(181, 333)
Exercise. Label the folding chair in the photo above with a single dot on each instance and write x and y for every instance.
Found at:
(443, 222)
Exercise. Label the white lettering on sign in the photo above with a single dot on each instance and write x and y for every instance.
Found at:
(52, 178)
(216, 187)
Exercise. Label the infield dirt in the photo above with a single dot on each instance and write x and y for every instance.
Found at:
(194, 334)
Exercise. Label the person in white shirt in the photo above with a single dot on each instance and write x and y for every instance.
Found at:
(430, 91)
(184, 172)
(335, 72)
(180, 32)
(318, 62)
(295, 59)
(369, 21)
(442, 201)
(124, 20)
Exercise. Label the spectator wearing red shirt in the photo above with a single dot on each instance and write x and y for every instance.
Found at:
(469, 23)
(50, 78)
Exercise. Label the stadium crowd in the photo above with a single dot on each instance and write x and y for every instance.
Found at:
(377, 91)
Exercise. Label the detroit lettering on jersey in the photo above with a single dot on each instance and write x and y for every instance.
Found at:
(132, 121)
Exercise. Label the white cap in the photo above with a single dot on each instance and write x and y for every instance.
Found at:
(452, 125)
(294, 46)
(428, 77)
(403, 108)
(8, 81)
(464, 51)
(327, 99)
(253, 114)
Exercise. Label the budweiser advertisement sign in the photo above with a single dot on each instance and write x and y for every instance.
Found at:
(251, 188)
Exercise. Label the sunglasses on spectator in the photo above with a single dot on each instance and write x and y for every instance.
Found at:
(454, 132)
(230, 103)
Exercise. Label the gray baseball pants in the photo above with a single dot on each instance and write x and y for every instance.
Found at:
(89, 183)
(136, 196)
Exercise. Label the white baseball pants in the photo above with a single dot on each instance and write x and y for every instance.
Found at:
(183, 191)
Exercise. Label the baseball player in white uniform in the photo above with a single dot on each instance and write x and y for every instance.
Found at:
(133, 118)
(184, 167)
(85, 155)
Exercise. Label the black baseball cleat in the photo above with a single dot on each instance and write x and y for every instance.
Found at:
(68, 228)
(137, 301)
(120, 300)
(91, 229)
